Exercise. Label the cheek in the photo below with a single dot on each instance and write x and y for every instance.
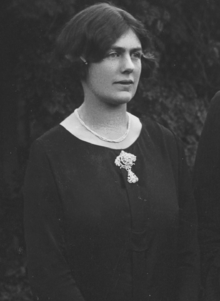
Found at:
(94, 78)
(138, 75)
(139, 68)
(103, 77)
(104, 73)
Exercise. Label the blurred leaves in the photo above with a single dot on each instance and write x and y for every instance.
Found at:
(186, 37)
(36, 9)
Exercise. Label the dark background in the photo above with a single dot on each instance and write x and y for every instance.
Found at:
(186, 36)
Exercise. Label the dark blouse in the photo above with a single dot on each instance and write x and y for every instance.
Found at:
(93, 236)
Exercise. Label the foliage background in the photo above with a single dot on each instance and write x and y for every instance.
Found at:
(187, 47)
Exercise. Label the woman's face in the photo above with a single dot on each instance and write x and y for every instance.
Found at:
(114, 80)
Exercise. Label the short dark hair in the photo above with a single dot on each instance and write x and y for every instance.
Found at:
(92, 32)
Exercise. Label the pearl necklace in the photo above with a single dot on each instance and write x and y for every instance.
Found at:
(120, 139)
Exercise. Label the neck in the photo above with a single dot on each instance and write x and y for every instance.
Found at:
(107, 120)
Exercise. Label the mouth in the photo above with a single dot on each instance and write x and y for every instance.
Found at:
(125, 82)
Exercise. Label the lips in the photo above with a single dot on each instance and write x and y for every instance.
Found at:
(125, 82)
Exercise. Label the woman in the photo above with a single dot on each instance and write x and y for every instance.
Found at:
(109, 213)
(207, 195)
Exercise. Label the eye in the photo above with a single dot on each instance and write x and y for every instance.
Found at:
(137, 55)
(113, 54)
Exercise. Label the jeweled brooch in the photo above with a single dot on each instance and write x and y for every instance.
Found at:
(126, 161)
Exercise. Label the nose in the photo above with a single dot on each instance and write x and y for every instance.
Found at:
(127, 64)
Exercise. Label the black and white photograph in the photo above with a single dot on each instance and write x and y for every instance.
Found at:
(110, 150)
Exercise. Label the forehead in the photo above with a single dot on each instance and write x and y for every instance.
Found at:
(128, 40)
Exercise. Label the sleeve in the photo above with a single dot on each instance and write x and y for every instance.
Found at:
(206, 183)
(188, 276)
(48, 271)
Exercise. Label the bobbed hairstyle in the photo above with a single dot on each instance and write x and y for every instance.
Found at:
(91, 33)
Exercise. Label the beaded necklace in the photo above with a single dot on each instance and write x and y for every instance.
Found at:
(120, 139)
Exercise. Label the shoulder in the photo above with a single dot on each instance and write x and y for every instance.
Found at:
(53, 144)
(216, 100)
(157, 132)
(165, 141)
(47, 141)
(210, 132)
(51, 135)
(214, 110)
(54, 138)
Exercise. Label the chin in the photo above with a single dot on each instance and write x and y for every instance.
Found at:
(123, 98)
(120, 101)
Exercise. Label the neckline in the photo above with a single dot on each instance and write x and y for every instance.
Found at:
(118, 140)
(103, 146)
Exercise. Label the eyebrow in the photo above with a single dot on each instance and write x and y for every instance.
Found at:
(121, 49)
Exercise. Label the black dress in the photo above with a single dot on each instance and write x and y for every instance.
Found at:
(93, 236)
(206, 182)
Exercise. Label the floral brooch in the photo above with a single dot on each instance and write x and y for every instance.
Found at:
(126, 161)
